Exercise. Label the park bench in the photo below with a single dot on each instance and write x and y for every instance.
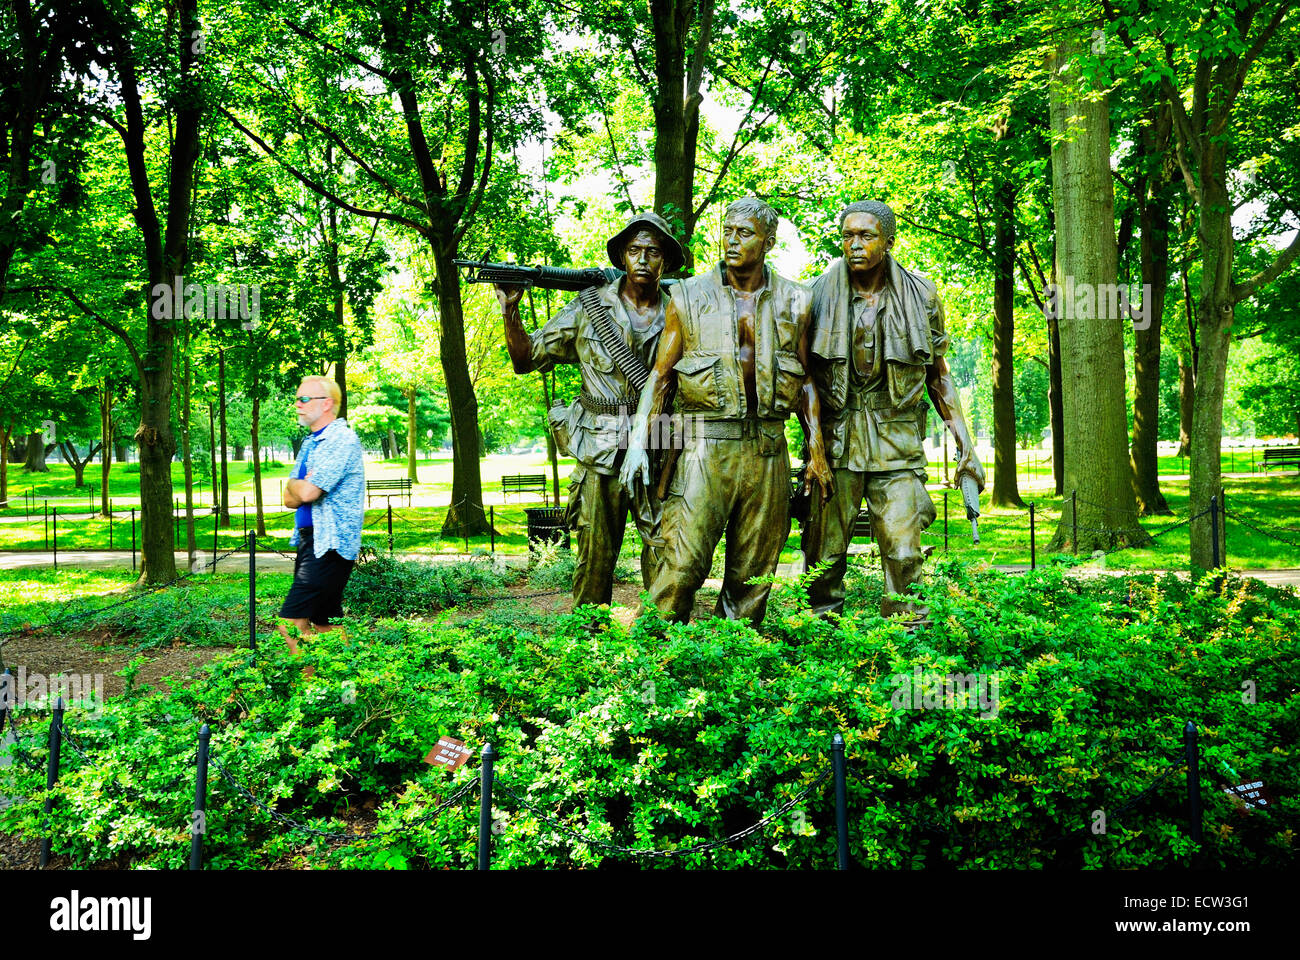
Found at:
(381, 488)
(522, 483)
(1282, 457)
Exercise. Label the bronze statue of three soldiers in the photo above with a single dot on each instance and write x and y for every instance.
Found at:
(732, 352)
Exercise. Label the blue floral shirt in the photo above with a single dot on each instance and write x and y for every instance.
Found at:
(336, 466)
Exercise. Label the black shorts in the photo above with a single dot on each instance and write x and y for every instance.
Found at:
(318, 582)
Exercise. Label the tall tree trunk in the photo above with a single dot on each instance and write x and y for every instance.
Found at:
(677, 111)
(225, 474)
(1092, 346)
(187, 461)
(336, 282)
(106, 443)
(35, 69)
(166, 252)
(34, 462)
(4, 464)
(1214, 337)
(1186, 396)
(1153, 215)
(466, 516)
(1187, 371)
(1055, 404)
(119, 452)
(411, 439)
(212, 449)
(552, 449)
(1006, 489)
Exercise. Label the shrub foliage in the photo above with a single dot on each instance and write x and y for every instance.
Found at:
(661, 737)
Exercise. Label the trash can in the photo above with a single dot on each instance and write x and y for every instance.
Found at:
(546, 524)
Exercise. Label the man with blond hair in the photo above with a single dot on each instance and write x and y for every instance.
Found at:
(328, 492)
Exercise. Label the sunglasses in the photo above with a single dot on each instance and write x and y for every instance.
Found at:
(307, 399)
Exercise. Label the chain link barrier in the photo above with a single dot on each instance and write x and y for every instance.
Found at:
(1260, 530)
(664, 854)
(294, 824)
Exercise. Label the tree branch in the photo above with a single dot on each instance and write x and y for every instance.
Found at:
(1242, 291)
(314, 185)
(108, 325)
(467, 215)
(944, 233)
(346, 55)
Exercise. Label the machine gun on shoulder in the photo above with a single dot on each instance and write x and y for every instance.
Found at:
(544, 276)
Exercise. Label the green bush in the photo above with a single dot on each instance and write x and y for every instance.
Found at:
(385, 587)
(664, 736)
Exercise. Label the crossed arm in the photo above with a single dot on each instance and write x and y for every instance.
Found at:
(298, 492)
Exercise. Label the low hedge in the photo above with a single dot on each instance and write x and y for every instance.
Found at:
(661, 737)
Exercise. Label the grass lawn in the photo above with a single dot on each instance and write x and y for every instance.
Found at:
(1269, 503)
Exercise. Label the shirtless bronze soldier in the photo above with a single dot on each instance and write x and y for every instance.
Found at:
(735, 349)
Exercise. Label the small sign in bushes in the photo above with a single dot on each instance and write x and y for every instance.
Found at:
(1252, 795)
(449, 752)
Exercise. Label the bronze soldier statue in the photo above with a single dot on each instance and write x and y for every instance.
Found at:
(588, 430)
(735, 350)
(877, 347)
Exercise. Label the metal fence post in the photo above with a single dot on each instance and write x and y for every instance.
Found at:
(216, 525)
(252, 590)
(45, 517)
(390, 527)
(52, 773)
(945, 521)
(485, 807)
(133, 539)
(1193, 788)
(1033, 554)
(55, 525)
(198, 819)
(492, 527)
(841, 803)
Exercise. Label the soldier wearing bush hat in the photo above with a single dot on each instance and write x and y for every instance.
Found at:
(593, 428)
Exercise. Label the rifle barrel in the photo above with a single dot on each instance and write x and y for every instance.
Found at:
(544, 276)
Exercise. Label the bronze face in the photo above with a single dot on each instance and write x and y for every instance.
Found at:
(745, 245)
(643, 257)
(864, 243)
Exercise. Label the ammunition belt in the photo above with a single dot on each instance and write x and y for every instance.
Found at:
(625, 405)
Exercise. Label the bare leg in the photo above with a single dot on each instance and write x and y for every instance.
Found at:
(305, 629)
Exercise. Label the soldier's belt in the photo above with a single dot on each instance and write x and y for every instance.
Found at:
(620, 405)
(730, 429)
(876, 400)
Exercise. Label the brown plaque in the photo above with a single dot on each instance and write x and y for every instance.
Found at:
(448, 752)
(1252, 795)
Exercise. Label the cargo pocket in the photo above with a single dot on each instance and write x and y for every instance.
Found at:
(697, 384)
(574, 506)
(789, 381)
(899, 432)
(558, 418)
